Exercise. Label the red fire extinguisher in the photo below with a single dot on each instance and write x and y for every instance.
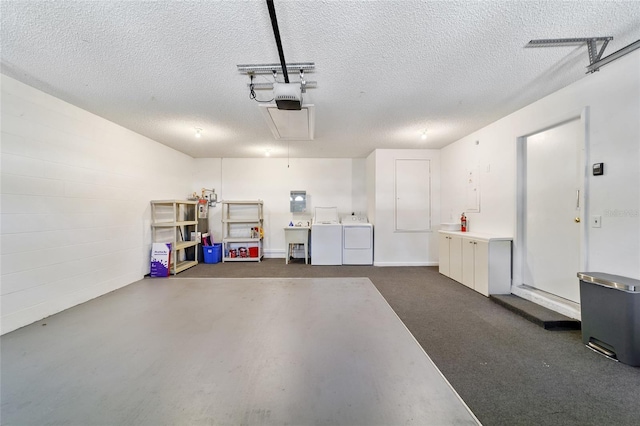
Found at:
(463, 223)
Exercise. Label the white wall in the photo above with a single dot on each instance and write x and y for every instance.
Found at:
(370, 174)
(329, 183)
(613, 98)
(397, 248)
(75, 203)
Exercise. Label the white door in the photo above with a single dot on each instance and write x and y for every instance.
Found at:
(481, 267)
(468, 262)
(455, 259)
(443, 264)
(553, 210)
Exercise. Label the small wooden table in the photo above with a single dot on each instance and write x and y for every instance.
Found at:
(297, 235)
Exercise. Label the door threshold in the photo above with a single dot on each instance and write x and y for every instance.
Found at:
(550, 301)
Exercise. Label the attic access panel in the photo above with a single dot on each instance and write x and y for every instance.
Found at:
(290, 124)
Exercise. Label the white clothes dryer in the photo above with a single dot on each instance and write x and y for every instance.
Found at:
(357, 241)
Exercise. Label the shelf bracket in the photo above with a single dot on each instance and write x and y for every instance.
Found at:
(595, 54)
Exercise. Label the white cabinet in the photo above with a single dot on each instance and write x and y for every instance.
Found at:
(243, 232)
(484, 263)
(475, 265)
(173, 221)
(451, 256)
(443, 262)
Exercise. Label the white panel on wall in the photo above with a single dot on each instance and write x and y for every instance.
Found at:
(413, 195)
(391, 247)
(473, 190)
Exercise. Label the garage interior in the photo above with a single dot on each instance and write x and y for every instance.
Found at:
(447, 106)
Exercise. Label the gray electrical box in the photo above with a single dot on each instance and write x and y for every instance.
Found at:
(298, 201)
(610, 309)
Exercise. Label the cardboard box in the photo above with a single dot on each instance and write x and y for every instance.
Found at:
(160, 259)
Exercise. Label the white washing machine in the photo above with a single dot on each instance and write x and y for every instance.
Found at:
(357, 241)
(326, 237)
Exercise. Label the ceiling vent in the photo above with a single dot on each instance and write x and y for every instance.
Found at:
(290, 125)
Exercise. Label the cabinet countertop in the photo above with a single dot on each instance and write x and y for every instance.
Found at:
(477, 236)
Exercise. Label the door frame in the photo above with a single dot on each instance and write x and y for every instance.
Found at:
(518, 286)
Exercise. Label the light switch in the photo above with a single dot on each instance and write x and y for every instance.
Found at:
(596, 221)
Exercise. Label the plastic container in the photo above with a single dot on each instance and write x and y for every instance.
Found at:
(610, 307)
(212, 254)
(253, 251)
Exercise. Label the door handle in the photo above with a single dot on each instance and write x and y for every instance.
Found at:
(578, 199)
(577, 220)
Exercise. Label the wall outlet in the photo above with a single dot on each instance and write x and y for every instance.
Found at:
(596, 221)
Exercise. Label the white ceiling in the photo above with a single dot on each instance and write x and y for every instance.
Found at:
(386, 70)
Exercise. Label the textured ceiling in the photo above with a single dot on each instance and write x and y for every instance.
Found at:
(386, 70)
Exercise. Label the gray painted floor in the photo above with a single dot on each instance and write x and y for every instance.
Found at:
(226, 351)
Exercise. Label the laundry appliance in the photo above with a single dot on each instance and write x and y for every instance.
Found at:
(326, 237)
(357, 240)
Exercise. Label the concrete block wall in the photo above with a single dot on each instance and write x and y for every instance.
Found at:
(75, 194)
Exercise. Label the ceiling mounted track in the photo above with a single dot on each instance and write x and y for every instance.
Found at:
(296, 67)
(271, 68)
(276, 34)
(283, 67)
(615, 55)
(269, 85)
(287, 96)
(595, 56)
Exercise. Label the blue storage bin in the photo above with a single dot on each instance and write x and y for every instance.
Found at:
(212, 254)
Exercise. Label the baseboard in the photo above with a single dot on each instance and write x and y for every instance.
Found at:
(549, 301)
(375, 263)
(280, 254)
(274, 254)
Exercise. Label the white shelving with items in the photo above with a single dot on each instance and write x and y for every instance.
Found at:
(173, 221)
(242, 227)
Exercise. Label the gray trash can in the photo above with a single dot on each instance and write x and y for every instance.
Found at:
(610, 309)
